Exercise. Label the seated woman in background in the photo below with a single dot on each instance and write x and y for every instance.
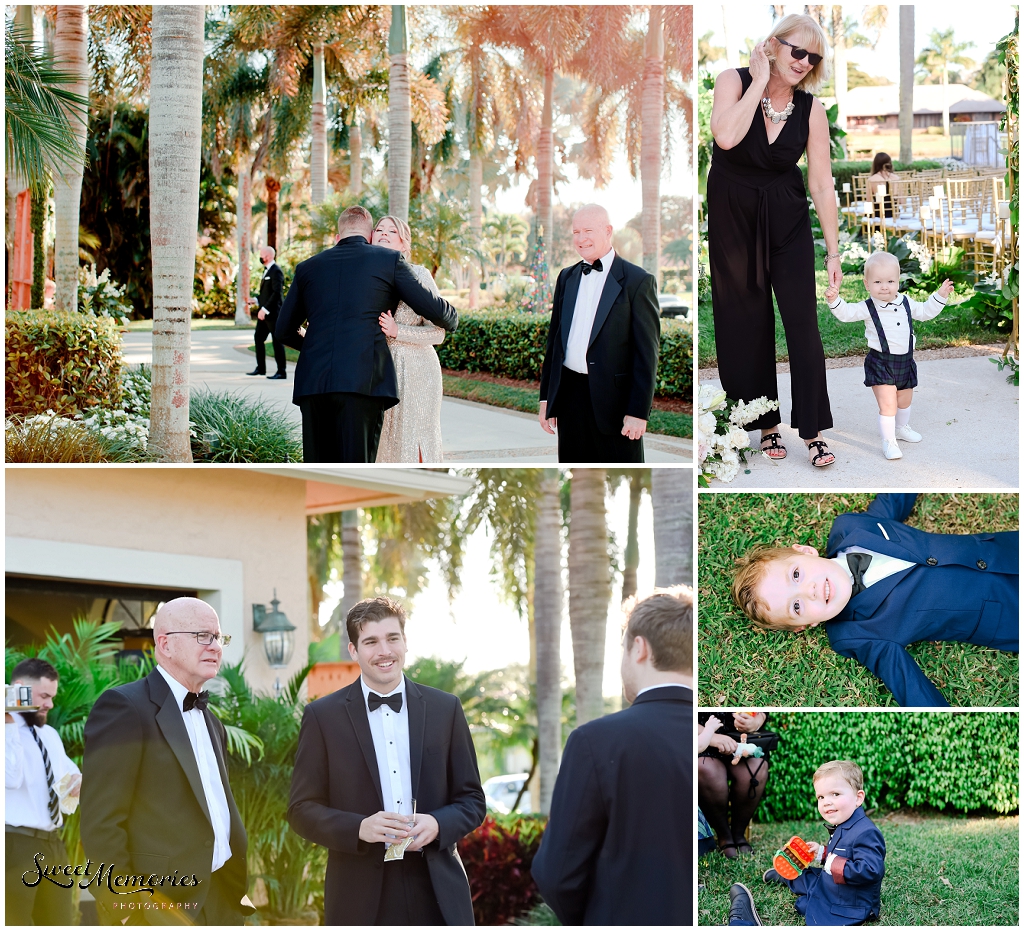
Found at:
(881, 175)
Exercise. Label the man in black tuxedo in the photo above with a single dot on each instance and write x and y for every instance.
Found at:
(269, 303)
(345, 377)
(156, 802)
(618, 848)
(598, 377)
(367, 754)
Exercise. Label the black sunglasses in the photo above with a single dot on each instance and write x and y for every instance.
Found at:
(801, 53)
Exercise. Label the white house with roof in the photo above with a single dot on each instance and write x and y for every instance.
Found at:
(877, 108)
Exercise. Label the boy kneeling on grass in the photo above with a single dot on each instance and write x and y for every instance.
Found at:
(889, 367)
(883, 585)
(843, 886)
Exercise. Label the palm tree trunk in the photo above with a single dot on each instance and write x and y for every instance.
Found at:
(589, 590)
(839, 68)
(351, 569)
(273, 189)
(545, 157)
(652, 115)
(906, 120)
(355, 156)
(476, 228)
(243, 240)
(631, 560)
(548, 626)
(399, 117)
(71, 54)
(672, 499)
(175, 133)
(318, 153)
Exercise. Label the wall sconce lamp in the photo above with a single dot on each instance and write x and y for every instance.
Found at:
(277, 631)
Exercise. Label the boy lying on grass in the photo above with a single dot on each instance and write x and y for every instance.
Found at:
(883, 585)
(843, 885)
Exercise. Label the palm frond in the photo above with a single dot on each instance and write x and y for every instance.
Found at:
(241, 742)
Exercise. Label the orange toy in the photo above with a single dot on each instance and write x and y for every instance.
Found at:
(794, 857)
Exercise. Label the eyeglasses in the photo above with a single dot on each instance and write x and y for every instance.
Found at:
(204, 637)
(801, 53)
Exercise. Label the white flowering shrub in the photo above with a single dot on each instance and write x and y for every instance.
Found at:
(98, 295)
(722, 441)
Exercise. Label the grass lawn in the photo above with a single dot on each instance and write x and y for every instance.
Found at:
(924, 145)
(939, 870)
(743, 666)
(952, 327)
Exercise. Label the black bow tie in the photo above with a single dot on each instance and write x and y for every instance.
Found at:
(596, 267)
(192, 700)
(394, 702)
(858, 563)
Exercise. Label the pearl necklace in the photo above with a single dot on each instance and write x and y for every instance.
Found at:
(774, 115)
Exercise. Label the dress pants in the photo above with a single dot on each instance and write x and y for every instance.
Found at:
(218, 909)
(579, 438)
(265, 328)
(407, 894)
(44, 903)
(341, 427)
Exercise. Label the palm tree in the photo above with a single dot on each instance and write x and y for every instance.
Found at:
(651, 140)
(639, 481)
(547, 614)
(839, 68)
(672, 498)
(906, 119)
(399, 117)
(589, 589)
(71, 52)
(318, 152)
(506, 236)
(175, 132)
(352, 568)
(937, 57)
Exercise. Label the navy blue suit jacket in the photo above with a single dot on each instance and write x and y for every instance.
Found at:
(962, 588)
(618, 848)
(857, 893)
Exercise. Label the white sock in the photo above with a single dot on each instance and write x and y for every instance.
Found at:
(887, 427)
(902, 416)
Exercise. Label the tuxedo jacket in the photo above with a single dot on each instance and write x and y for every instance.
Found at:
(342, 292)
(336, 784)
(851, 892)
(143, 805)
(961, 587)
(622, 356)
(618, 848)
(272, 292)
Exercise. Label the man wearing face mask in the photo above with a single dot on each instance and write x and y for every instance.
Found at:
(270, 300)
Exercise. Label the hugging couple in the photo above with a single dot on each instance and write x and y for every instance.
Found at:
(365, 319)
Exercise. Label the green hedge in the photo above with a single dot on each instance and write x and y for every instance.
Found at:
(963, 761)
(511, 344)
(843, 171)
(62, 361)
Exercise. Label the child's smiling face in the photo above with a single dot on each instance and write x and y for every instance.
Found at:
(837, 799)
(804, 590)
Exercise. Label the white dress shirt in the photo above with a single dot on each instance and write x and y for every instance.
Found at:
(209, 772)
(880, 567)
(661, 685)
(587, 299)
(893, 316)
(390, 731)
(26, 795)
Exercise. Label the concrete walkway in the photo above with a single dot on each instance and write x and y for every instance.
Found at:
(470, 432)
(963, 407)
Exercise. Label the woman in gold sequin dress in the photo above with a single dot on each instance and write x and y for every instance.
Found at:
(412, 428)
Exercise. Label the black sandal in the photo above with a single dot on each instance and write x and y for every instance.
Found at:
(722, 848)
(744, 847)
(823, 451)
(774, 444)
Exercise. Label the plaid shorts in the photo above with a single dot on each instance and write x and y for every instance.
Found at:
(885, 368)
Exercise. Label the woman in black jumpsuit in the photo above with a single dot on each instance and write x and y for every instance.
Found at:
(759, 233)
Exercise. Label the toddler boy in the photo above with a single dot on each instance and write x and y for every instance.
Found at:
(883, 585)
(889, 368)
(844, 884)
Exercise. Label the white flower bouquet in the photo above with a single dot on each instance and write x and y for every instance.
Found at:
(722, 441)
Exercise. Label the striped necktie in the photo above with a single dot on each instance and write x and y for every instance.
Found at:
(53, 806)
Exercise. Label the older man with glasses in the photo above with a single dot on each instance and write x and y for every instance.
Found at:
(156, 803)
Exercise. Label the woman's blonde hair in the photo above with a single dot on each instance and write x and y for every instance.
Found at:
(807, 33)
(403, 231)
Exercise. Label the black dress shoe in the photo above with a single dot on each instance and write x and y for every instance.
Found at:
(257, 372)
(277, 376)
(771, 876)
(741, 906)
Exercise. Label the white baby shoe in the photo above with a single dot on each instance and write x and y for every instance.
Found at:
(890, 450)
(908, 433)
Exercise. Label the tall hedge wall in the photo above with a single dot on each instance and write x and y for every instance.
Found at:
(962, 761)
(843, 171)
(512, 343)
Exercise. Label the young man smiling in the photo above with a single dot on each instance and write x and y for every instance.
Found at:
(367, 755)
